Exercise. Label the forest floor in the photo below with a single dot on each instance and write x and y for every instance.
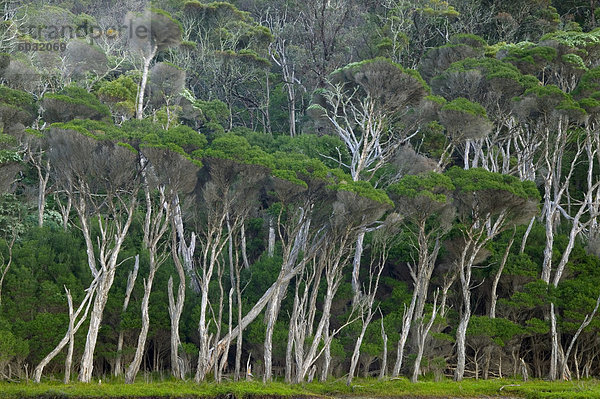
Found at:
(361, 389)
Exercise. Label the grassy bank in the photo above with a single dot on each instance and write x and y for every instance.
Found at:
(361, 388)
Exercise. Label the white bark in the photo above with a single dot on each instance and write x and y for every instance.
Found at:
(156, 224)
(356, 268)
(71, 335)
(128, 290)
(423, 333)
(476, 237)
(5, 265)
(109, 263)
(85, 304)
(407, 318)
(493, 294)
(586, 322)
(271, 243)
(384, 356)
(146, 60)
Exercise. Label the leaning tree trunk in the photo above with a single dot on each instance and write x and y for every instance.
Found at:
(464, 273)
(86, 303)
(406, 323)
(87, 360)
(357, 345)
(384, 356)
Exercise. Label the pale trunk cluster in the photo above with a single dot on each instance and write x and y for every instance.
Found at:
(155, 226)
(131, 278)
(112, 235)
(476, 237)
(74, 325)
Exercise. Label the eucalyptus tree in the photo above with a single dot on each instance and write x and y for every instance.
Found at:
(166, 86)
(587, 94)
(341, 229)
(486, 203)
(303, 202)
(372, 106)
(10, 165)
(155, 31)
(438, 59)
(492, 84)
(284, 53)
(425, 203)
(103, 180)
(226, 52)
(557, 115)
(410, 28)
(166, 173)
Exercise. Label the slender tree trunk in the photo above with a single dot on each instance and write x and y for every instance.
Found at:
(271, 244)
(423, 333)
(6, 267)
(243, 244)
(42, 186)
(271, 318)
(292, 333)
(356, 268)
(526, 235)
(146, 66)
(71, 334)
(461, 334)
(134, 367)
(384, 339)
(130, 284)
(406, 323)
(106, 279)
(493, 294)
(239, 340)
(584, 324)
(326, 354)
(357, 345)
(176, 309)
(85, 304)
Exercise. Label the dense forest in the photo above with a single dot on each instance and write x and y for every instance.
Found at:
(299, 190)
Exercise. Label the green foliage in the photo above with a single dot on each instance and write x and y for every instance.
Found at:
(478, 179)
(498, 330)
(18, 98)
(73, 103)
(236, 148)
(431, 186)
(492, 69)
(364, 189)
(468, 39)
(463, 105)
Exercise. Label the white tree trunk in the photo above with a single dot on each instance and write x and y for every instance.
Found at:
(407, 318)
(423, 333)
(85, 304)
(105, 282)
(493, 294)
(146, 66)
(71, 334)
(129, 289)
(356, 267)
(271, 243)
(134, 367)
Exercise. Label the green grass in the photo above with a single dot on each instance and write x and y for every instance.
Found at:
(362, 388)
